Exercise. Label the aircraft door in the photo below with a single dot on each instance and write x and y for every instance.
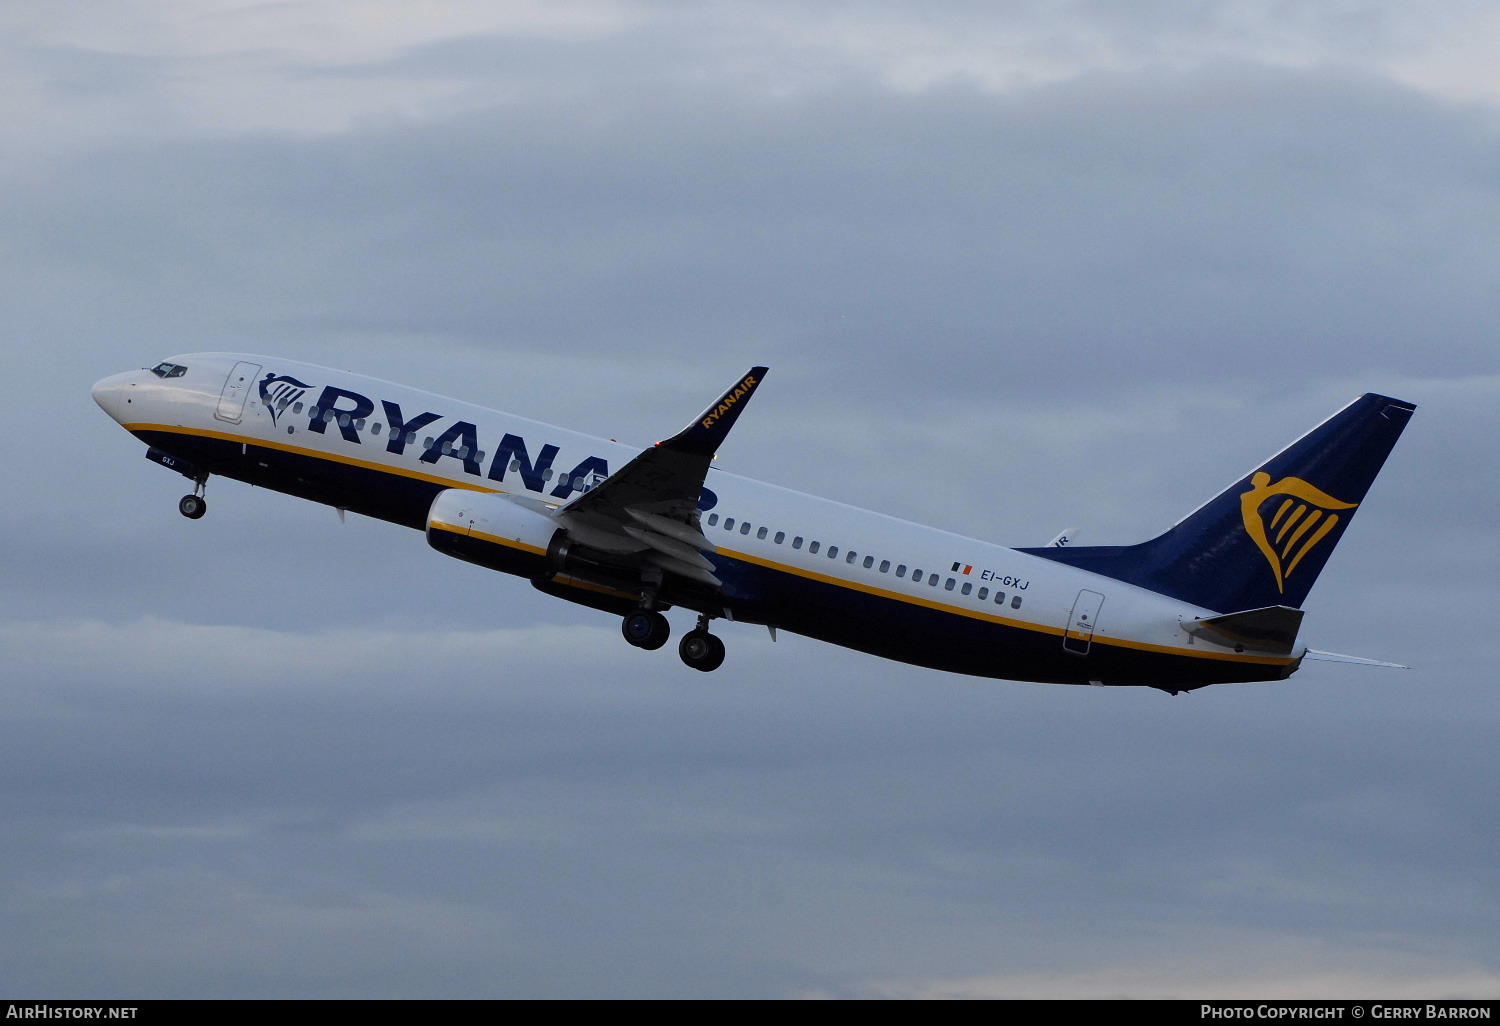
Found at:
(1081, 621)
(236, 391)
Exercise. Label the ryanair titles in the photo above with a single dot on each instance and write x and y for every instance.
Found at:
(348, 411)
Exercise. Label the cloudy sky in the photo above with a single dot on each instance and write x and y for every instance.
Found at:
(1016, 267)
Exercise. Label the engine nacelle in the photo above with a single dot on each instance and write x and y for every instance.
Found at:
(493, 531)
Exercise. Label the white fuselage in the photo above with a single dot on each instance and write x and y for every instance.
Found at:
(374, 447)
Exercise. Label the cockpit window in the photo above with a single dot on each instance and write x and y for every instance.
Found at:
(169, 370)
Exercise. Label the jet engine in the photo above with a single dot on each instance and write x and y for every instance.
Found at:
(494, 531)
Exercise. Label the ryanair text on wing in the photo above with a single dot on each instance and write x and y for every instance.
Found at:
(730, 398)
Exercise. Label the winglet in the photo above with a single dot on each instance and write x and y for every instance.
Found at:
(704, 436)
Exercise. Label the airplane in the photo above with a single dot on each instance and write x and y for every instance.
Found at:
(1214, 599)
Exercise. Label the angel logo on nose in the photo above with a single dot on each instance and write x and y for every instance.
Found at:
(278, 391)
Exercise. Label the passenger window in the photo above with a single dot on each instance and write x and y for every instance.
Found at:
(967, 587)
(780, 537)
(869, 562)
(851, 557)
(547, 474)
(562, 479)
(375, 430)
(479, 455)
(729, 523)
(885, 566)
(359, 425)
(427, 442)
(1015, 603)
(999, 598)
(329, 416)
(932, 581)
(296, 407)
(312, 412)
(744, 527)
(833, 551)
(515, 465)
(713, 518)
(984, 593)
(916, 576)
(797, 542)
(948, 585)
(901, 570)
(812, 547)
(761, 534)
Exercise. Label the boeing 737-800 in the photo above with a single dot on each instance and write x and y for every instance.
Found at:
(1215, 599)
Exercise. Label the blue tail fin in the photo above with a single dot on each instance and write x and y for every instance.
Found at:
(1264, 540)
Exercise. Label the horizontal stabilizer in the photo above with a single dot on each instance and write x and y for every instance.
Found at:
(1334, 657)
(1272, 629)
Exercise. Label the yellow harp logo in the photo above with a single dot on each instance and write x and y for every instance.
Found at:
(1294, 526)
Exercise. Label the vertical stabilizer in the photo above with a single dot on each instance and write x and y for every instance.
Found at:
(1262, 542)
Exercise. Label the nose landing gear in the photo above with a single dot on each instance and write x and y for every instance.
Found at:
(194, 506)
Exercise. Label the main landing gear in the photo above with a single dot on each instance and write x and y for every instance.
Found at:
(701, 650)
(648, 629)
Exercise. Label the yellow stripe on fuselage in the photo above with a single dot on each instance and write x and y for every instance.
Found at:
(267, 443)
(840, 582)
(976, 614)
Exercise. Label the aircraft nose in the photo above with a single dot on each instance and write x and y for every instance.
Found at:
(109, 393)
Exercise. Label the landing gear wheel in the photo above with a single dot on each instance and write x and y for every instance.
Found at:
(192, 506)
(646, 629)
(701, 650)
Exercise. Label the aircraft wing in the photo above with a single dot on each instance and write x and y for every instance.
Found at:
(650, 505)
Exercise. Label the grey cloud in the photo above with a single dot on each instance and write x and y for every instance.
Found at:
(797, 825)
(1062, 242)
(266, 755)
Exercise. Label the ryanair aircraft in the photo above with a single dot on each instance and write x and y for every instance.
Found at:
(1215, 599)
